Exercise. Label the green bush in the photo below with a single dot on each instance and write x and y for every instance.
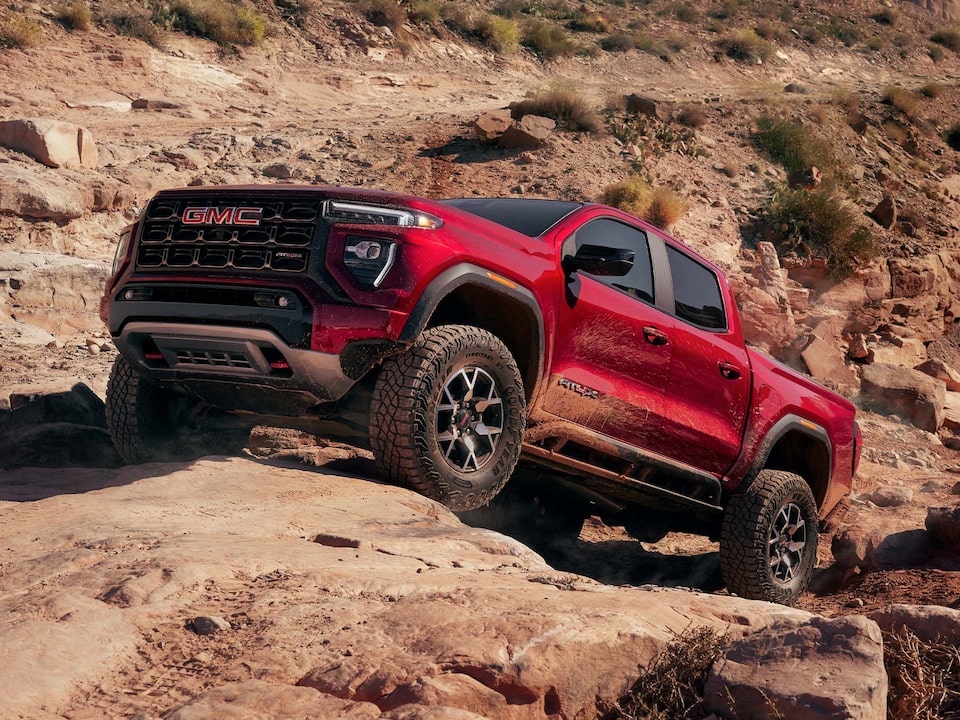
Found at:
(745, 45)
(76, 16)
(426, 12)
(948, 37)
(791, 144)
(136, 24)
(820, 223)
(501, 34)
(220, 21)
(19, 31)
(547, 40)
(566, 106)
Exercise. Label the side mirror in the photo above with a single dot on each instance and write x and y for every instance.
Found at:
(599, 260)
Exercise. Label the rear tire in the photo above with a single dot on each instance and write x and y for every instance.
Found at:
(447, 416)
(768, 544)
(148, 423)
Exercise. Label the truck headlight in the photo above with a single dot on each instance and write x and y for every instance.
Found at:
(369, 259)
(121, 251)
(363, 214)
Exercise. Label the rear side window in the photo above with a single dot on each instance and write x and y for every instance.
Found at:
(696, 291)
(604, 232)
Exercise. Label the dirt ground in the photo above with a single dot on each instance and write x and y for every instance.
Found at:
(400, 122)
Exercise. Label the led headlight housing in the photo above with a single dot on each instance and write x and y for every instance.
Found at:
(121, 252)
(363, 214)
(369, 259)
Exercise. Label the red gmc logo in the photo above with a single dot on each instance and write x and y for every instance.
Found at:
(222, 216)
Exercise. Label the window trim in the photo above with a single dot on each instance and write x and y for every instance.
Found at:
(716, 276)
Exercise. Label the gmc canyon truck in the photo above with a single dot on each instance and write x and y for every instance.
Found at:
(590, 356)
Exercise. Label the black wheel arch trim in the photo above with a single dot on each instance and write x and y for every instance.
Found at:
(788, 423)
(463, 274)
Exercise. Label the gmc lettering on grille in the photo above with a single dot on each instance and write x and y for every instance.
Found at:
(222, 216)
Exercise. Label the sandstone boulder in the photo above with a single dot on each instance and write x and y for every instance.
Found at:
(943, 524)
(941, 371)
(757, 677)
(885, 213)
(643, 105)
(52, 142)
(529, 132)
(825, 362)
(491, 125)
(39, 195)
(905, 392)
(908, 352)
(853, 547)
(930, 623)
(891, 496)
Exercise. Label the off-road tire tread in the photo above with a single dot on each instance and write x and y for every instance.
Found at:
(400, 417)
(123, 389)
(743, 537)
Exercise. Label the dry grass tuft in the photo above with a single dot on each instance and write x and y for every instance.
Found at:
(672, 686)
(902, 99)
(384, 13)
(547, 40)
(933, 89)
(19, 31)
(924, 677)
(792, 145)
(223, 22)
(661, 206)
(568, 107)
(948, 37)
(953, 136)
(692, 116)
(76, 16)
(746, 45)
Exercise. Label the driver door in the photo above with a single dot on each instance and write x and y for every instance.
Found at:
(613, 349)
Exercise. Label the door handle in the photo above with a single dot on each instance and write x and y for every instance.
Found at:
(654, 336)
(729, 370)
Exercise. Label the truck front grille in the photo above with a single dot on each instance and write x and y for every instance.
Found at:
(223, 233)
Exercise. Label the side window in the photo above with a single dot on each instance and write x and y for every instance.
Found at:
(612, 234)
(696, 291)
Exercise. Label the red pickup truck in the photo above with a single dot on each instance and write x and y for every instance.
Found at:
(591, 356)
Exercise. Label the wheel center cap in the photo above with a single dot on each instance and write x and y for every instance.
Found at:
(463, 418)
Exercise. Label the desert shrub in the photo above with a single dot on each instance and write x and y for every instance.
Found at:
(887, 16)
(791, 144)
(584, 21)
(498, 33)
(547, 40)
(426, 12)
(685, 12)
(510, 8)
(220, 21)
(932, 89)
(924, 677)
(659, 206)
(384, 13)
(770, 30)
(672, 685)
(666, 207)
(948, 37)
(618, 42)
(936, 53)
(19, 31)
(692, 116)
(746, 45)
(633, 195)
(953, 136)
(565, 105)
(127, 20)
(501, 34)
(902, 99)
(820, 223)
(76, 16)
(895, 131)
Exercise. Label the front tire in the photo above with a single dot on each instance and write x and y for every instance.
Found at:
(768, 543)
(447, 416)
(148, 423)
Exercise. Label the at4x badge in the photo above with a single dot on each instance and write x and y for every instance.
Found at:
(578, 388)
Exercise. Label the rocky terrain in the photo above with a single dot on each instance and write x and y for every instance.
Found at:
(291, 582)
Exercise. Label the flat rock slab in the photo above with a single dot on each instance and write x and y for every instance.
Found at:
(332, 585)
